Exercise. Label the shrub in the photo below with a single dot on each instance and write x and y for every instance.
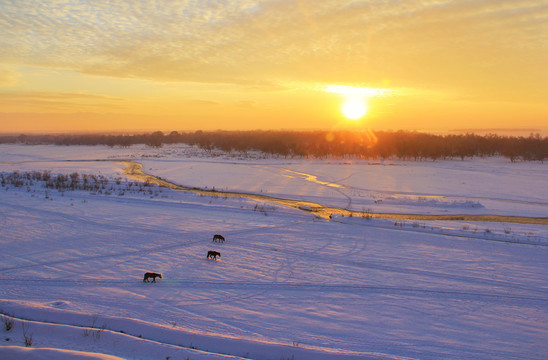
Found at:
(28, 337)
(8, 322)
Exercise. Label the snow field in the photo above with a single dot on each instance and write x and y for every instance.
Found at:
(287, 286)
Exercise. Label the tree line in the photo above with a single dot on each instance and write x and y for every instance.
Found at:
(404, 145)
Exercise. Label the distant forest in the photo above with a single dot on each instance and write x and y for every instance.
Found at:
(402, 145)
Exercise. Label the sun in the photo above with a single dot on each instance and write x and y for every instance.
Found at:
(356, 98)
(354, 108)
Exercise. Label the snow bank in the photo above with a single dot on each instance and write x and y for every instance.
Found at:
(25, 353)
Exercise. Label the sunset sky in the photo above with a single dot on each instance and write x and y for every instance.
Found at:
(272, 64)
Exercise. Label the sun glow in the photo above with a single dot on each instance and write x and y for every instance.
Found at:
(354, 91)
(356, 98)
(354, 108)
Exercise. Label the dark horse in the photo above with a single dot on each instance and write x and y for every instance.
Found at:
(152, 275)
(213, 255)
(218, 238)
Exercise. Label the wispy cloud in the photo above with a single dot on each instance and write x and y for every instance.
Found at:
(8, 77)
(56, 96)
(355, 91)
(55, 101)
(418, 43)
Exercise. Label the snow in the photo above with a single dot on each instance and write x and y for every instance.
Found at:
(289, 285)
(22, 353)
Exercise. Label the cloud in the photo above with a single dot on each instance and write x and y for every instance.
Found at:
(8, 77)
(432, 43)
(56, 101)
(201, 103)
(56, 96)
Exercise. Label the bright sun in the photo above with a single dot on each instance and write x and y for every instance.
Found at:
(354, 108)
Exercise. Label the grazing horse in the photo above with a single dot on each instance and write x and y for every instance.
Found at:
(218, 238)
(152, 275)
(213, 255)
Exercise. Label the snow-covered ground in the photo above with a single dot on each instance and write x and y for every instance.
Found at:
(288, 284)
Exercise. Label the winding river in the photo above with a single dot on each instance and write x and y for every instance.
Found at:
(135, 170)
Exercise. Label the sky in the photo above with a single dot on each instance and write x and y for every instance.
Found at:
(430, 65)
